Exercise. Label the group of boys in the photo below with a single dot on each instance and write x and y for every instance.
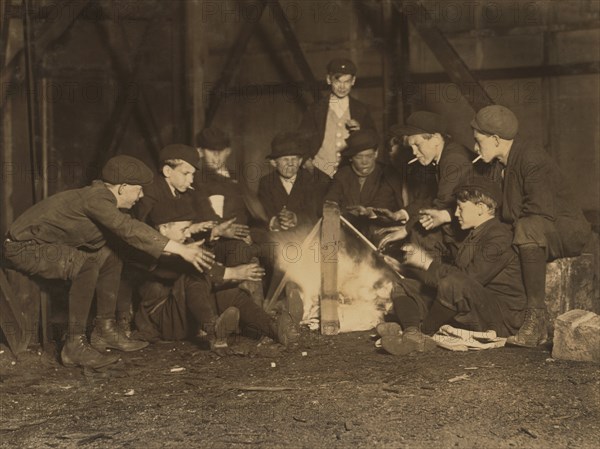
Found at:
(193, 244)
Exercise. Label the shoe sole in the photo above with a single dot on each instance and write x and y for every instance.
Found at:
(71, 364)
(388, 329)
(102, 347)
(227, 323)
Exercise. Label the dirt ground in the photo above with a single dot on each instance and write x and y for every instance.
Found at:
(341, 393)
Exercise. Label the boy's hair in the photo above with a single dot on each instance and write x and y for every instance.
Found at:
(477, 196)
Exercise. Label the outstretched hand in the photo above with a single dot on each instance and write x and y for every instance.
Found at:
(393, 234)
(197, 255)
(231, 230)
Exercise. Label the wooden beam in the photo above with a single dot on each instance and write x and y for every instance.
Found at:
(329, 252)
(391, 65)
(54, 31)
(233, 61)
(445, 53)
(294, 45)
(11, 317)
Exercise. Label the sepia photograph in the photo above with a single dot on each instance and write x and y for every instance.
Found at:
(300, 224)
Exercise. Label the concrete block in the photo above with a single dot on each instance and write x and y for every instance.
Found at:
(577, 336)
(571, 284)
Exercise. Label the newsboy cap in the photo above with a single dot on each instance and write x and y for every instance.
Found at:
(420, 122)
(287, 143)
(363, 139)
(171, 211)
(180, 151)
(124, 169)
(213, 138)
(483, 184)
(496, 120)
(341, 66)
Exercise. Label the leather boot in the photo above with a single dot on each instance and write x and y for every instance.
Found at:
(533, 331)
(286, 330)
(78, 352)
(106, 334)
(411, 341)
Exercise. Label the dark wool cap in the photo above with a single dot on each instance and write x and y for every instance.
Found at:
(420, 122)
(496, 120)
(482, 184)
(341, 66)
(180, 151)
(287, 144)
(363, 139)
(213, 138)
(124, 169)
(171, 210)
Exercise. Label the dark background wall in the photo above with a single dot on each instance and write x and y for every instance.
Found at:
(130, 76)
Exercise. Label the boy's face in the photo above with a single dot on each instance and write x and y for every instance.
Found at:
(486, 146)
(180, 177)
(341, 85)
(178, 231)
(215, 159)
(129, 194)
(468, 214)
(287, 166)
(364, 162)
(425, 147)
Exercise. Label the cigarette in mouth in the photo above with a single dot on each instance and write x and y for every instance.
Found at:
(476, 159)
(191, 188)
(412, 161)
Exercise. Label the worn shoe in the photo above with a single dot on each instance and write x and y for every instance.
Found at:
(411, 341)
(124, 323)
(533, 332)
(106, 334)
(388, 329)
(78, 352)
(287, 330)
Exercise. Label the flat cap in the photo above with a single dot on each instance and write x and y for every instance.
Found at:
(496, 120)
(288, 143)
(213, 138)
(363, 139)
(482, 184)
(180, 151)
(170, 211)
(124, 169)
(420, 122)
(341, 66)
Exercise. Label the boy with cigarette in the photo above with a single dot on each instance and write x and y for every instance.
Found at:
(481, 290)
(538, 204)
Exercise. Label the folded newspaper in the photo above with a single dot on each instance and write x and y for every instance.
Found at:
(455, 339)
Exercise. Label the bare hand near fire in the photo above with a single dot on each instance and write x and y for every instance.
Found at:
(394, 263)
(432, 218)
(197, 255)
(400, 215)
(287, 219)
(231, 230)
(202, 226)
(361, 211)
(247, 272)
(394, 234)
(416, 256)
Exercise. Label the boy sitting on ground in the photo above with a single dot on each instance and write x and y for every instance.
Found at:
(482, 290)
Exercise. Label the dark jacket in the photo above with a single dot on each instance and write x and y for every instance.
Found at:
(159, 192)
(534, 186)
(376, 191)
(207, 182)
(301, 199)
(488, 257)
(315, 117)
(80, 218)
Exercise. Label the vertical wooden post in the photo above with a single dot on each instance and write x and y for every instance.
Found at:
(330, 245)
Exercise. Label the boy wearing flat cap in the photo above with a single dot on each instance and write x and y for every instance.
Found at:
(65, 237)
(538, 203)
(427, 135)
(287, 193)
(172, 295)
(332, 118)
(481, 290)
(360, 187)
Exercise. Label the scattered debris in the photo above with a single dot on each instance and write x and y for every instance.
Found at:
(295, 418)
(348, 425)
(177, 369)
(528, 432)
(273, 364)
(550, 360)
(259, 388)
(130, 392)
(471, 367)
(304, 353)
(461, 377)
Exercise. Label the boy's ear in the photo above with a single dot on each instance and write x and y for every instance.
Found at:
(166, 171)
(273, 163)
(328, 78)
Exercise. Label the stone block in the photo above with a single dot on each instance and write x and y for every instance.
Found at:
(571, 283)
(577, 336)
